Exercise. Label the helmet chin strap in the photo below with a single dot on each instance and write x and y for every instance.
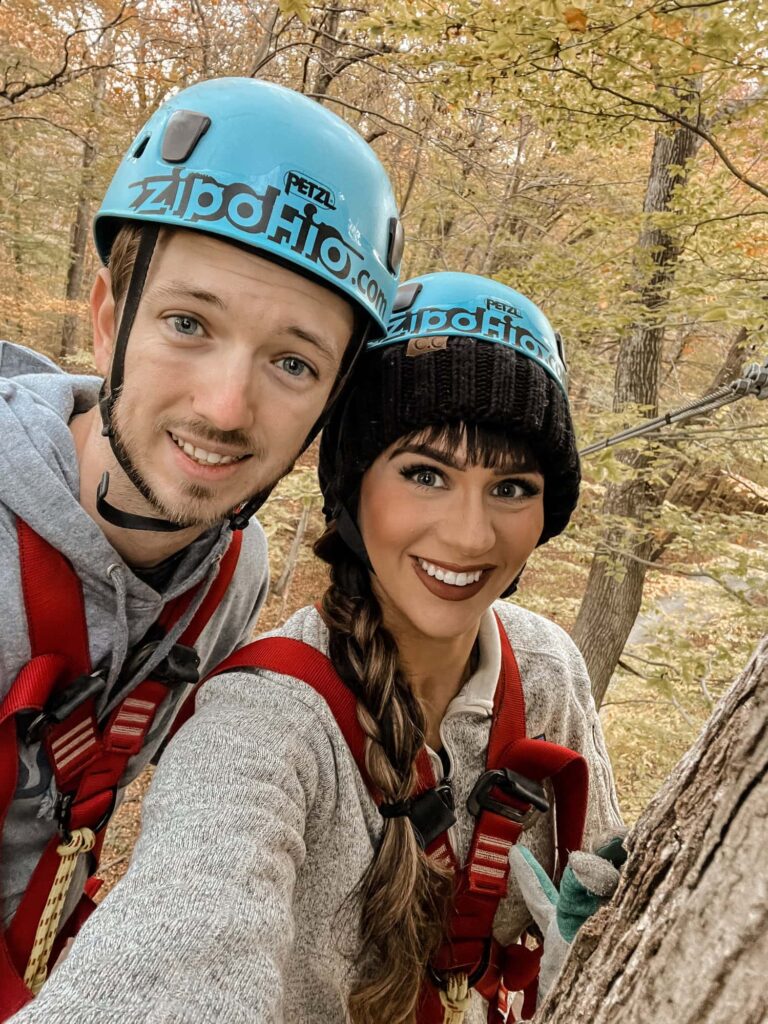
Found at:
(108, 397)
(349, 531)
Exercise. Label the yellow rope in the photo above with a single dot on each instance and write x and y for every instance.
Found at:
(80, 841)
(455, 997)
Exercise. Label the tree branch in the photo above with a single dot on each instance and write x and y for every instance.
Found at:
(667, 115)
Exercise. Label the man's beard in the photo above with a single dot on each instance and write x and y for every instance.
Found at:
(195, 508)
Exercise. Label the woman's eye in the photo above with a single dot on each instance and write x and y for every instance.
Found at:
(513, 489)
(294, 366)
(424, 477)
(186, 325)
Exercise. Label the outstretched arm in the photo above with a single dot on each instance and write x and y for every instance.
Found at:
(201, 927)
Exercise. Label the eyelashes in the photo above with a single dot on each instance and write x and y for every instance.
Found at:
(521, 487)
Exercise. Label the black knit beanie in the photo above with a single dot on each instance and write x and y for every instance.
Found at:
(402, 388)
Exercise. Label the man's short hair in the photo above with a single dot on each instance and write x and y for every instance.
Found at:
(122, 257)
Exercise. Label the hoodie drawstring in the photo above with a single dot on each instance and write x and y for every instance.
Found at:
(116, 576)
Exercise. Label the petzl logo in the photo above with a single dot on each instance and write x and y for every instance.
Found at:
(300, 185)
(503, 307)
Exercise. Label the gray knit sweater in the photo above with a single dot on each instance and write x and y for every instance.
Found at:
(258, 826)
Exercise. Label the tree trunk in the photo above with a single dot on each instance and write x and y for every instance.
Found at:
(685, 939)
(326, 56)
(615, 585)
(80, 230)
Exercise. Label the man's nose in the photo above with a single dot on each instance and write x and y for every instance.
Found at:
(226, 394)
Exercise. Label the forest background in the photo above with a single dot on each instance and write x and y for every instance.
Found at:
(608, 160)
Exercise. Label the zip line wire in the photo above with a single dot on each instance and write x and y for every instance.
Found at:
(754, 381)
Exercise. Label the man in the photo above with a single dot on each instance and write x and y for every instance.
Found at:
(251, 242)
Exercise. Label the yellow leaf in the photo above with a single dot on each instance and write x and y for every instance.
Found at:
(575, 19)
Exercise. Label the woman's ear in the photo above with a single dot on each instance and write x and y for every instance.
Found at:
(103, 320)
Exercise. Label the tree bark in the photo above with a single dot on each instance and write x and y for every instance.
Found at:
(614, 589)
(685, 939)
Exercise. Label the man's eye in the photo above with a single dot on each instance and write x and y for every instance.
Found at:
(294, 366)
(186, 325)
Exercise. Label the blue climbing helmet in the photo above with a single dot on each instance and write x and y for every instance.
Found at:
(269, 169)
(465, 353)
(469, 306)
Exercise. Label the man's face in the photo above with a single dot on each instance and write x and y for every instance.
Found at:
(230, 362)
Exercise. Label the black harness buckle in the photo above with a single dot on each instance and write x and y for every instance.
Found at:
(61, 704)
(431, 813)
(180, 665)
(512, 784)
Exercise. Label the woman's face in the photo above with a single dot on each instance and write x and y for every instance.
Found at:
(444, 536)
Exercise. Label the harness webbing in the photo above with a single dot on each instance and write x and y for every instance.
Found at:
(470, 949)
(88, 762)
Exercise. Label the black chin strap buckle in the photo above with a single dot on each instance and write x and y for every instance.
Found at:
(521, 789)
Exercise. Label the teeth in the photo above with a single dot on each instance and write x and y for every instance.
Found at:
(203, 456)
(455, 579)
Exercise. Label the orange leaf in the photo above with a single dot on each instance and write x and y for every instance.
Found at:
(575, 19)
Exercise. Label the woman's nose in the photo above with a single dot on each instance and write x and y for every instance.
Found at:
(466, 527)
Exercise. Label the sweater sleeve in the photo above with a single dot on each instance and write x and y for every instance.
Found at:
(200, 929)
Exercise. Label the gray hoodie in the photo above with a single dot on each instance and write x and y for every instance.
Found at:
(39, 482)
(236, 908)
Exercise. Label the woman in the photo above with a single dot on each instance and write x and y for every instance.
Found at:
(276, 877)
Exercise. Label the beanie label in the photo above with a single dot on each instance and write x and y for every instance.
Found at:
(419, 346)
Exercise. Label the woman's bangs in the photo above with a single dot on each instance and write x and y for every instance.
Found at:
(486, 445)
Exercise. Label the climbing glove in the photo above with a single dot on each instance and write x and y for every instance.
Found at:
(589, 881)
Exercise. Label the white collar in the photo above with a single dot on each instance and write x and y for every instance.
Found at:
(478, 692)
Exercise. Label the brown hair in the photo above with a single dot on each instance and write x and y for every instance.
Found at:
(122, 257)
(403, 896)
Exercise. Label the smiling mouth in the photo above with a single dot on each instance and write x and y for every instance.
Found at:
(454, 579)
(204, 457)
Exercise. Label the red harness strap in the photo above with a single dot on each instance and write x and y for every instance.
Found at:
(494, 970)
(88, 763)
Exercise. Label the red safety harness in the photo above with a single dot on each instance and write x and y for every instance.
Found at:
(59, 688)
(494, 970)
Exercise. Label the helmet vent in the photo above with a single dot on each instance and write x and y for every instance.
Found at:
(560, 346)
(406, 296)
(184, 130)
(396, 245)
(141, 147)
